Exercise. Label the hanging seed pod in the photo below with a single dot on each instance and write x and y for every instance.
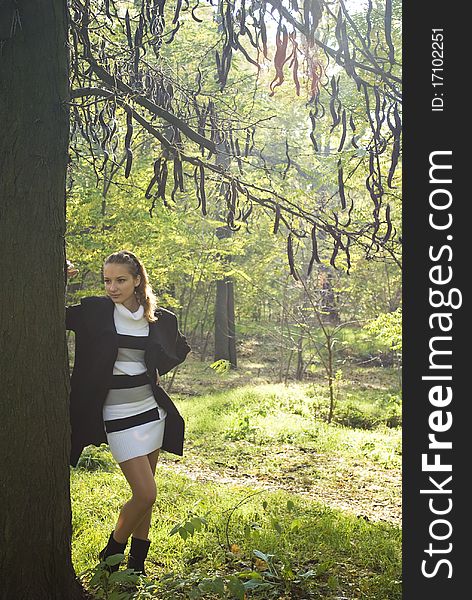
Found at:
(354, 138)
(129, 134)
(312, 133)
(202, 190)
(288, 162)
(263, 35)
(334, 101)
(281, 41)
(348, 255)
(162, 182)
(388, 30)
(314, 251)
(246, 214)
(389, 225)
(246, 147)
(332, 260)
(291, 261)
(197, 186)
(177, 11)
(341, 185)
(343, 136)
(172, 33)
(129, 35)
(155, 177)
(348, 222)
(194, 16)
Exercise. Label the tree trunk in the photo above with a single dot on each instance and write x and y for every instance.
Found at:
(231, 322)
(35, 515)
(221, 322)
(225, 331)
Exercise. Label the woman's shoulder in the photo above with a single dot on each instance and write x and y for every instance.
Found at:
(164, 315)
(95, 300)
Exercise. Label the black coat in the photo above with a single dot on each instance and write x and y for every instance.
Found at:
(96, 349)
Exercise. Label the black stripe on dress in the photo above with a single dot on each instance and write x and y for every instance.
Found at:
(119, 382)
(138, 342)
(133, 421)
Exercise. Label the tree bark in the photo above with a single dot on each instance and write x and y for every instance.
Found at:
(35, 515)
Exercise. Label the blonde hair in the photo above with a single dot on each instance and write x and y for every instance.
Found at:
(143, 291)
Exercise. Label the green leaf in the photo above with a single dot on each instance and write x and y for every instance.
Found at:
(183, 533)
(219, 586)
(126, 576)
(175, 529)
(255, 584)
(276, 525)
(189, 527)
(332, 582)
(236, 587)
(290, 505)
(114, 559)
(261, 555)
(250, 574)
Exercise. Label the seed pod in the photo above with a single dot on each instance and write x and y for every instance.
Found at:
(314, 250)
(343, 136)
(389, 225)
(341, 185)
(129, 35)
(291, 261)
(202, 190)
(129, 152)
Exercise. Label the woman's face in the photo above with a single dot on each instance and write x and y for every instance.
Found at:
(119, 282)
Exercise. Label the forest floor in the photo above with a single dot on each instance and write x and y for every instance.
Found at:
(365, 490)
(353, 469)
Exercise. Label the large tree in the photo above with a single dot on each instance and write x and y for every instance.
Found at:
(35, 513)
(101, 59)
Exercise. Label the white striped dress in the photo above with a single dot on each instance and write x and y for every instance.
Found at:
(134, 422)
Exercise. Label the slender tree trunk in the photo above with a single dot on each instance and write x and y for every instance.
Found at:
(330, 378)
(221, 322)
(300, 365)
(231, 322)
(35, 509)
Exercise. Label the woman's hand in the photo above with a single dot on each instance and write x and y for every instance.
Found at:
(158, 377)
(71, 270)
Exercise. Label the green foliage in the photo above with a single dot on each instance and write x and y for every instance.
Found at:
(95, 458)
(387, 328)
(221, 366)
(189, 527)
(120, 585)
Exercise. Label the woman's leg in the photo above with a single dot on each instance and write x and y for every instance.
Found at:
(140, 477)
(142, 530)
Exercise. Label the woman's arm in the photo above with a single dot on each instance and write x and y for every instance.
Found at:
(73, 313)
(74, 317)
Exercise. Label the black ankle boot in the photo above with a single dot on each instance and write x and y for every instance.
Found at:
(112, 547)
(137, 554)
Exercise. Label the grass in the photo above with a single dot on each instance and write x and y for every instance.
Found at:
(352, 556)
(265, 473)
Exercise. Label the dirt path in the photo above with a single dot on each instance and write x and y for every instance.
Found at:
(363, 489)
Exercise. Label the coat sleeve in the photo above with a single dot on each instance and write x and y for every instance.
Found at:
(74, 317)
(182, 346)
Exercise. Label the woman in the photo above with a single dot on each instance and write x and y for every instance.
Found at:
(123, 344)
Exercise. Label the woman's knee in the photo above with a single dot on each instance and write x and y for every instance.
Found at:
(146, 496)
